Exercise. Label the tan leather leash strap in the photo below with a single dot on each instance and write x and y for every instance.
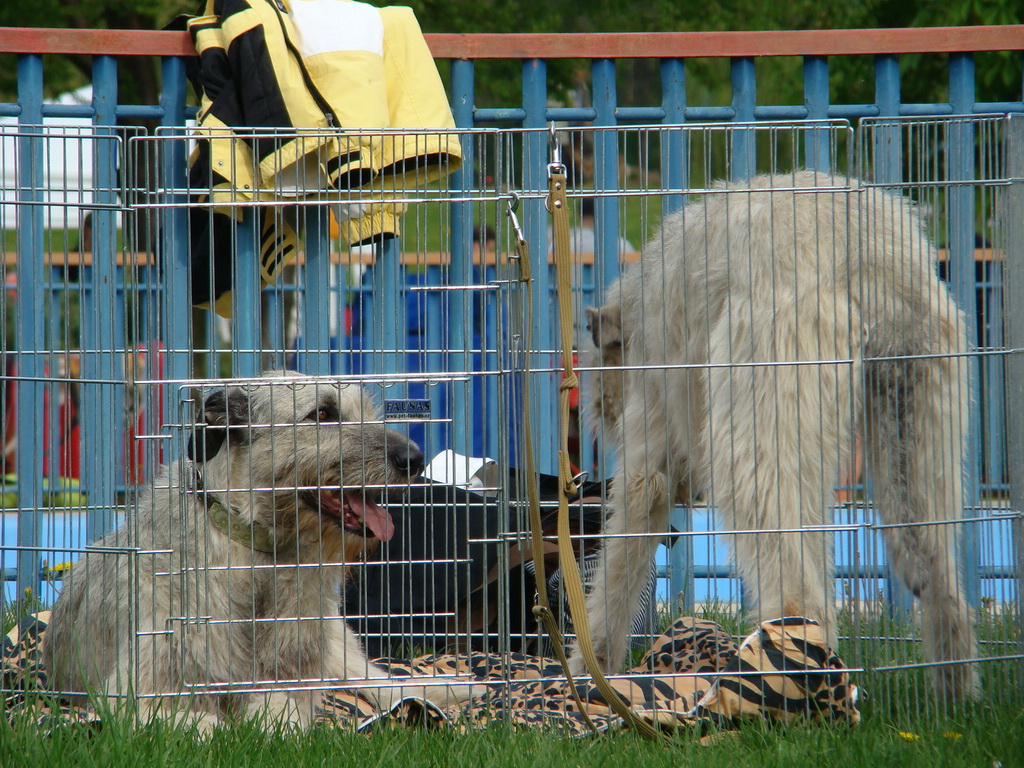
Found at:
(543, 608)
(557, 205)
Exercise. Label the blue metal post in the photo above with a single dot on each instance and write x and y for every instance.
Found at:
(991, 336)
(818, 146)
(675, 165)
(273, 328)
(888, 150)
(888, 169)
(675, 172)
(744, 97)
(606, 175)
(743, 162)
(495, 444)
(460, 322)
(434, 342)
(606, 212)
(56, 289)
(176, 299)
(1013, 303)
(245, 296)
(535, 221)
(817, 155)
(389, 308)
(316, 291)
(102, 325)
(960, 158)
(370, 332)
(29, 330)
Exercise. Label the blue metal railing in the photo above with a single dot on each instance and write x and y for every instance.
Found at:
(106, 284)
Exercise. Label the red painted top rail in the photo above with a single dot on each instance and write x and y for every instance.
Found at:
(626, 45)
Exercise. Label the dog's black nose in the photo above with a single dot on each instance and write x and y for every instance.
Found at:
(407, 458)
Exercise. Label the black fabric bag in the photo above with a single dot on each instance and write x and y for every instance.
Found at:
(442, 562)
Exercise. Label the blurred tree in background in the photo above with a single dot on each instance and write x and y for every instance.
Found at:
(708, 82)
(779, 81)
(138, 77)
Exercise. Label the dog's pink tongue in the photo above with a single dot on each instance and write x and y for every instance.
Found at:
(377, 519)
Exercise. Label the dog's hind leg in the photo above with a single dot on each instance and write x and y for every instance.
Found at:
(174, 706)
(777, 435)
(916, 433)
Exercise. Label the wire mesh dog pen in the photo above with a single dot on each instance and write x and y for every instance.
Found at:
(431, 315)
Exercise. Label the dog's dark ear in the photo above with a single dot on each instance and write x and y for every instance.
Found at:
(225, 412)
(593, 319)
(605, 325)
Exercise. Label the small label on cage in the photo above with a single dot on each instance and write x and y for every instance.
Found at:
(397, 410)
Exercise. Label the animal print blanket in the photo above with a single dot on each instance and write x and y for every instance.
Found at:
(695, 676)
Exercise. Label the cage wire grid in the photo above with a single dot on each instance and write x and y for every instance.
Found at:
(432, 323)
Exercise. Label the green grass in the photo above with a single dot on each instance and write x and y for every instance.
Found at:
(902, 725)
(983, 738)
(11, 612)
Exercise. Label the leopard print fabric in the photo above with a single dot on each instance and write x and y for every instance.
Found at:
(783, 671)
(694, 676)
(23, 676)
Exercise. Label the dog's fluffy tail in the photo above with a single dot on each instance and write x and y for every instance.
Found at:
(916, 426)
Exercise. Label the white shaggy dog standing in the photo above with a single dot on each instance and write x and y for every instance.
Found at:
(759, 334)
(233, 599)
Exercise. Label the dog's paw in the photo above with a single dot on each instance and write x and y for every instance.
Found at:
(204, 725)
(958, 683)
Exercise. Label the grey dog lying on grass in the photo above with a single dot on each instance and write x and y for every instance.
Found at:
(232, 601)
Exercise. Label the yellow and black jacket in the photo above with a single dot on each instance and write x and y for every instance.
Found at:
(328, 100)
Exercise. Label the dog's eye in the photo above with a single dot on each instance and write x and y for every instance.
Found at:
(323, 414)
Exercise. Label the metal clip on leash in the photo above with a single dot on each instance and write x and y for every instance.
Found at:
(522, 247)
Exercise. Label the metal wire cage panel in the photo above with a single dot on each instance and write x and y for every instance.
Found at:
(747, 381)
(220, 282)
(387, 264)
(63, 327)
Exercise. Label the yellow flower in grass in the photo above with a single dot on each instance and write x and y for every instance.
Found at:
(908, 736)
